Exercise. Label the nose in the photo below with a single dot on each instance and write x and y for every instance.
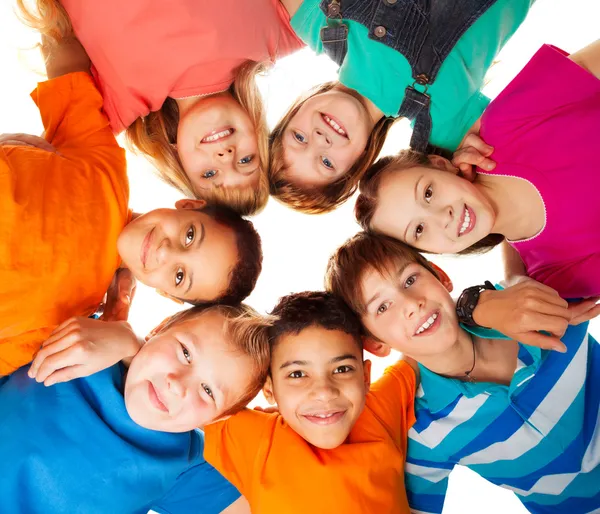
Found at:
(226, 154)
(322, 138)
(174, 385)
(446, 216)
(413, 306)
(324, 390)
(163, 252)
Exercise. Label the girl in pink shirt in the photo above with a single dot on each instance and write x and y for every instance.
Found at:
(179, 77)
(544, 129)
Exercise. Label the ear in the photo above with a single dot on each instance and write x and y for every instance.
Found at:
(439, 162)
(188, 203)
(442, 276)
(367, 374)
(170, 297)
(377, 348)
(268, 391)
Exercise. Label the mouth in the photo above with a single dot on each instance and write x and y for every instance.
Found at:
(218, 135)
(155, 398)
(430, 324)
(335, 125)
(146, 247)
(467, 221)
(325, 417)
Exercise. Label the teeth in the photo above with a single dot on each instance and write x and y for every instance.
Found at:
(466, 223)
(217, 136)
(323, 416)
(427, 323)
(334, 125)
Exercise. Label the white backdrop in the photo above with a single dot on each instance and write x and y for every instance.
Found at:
(297, 246)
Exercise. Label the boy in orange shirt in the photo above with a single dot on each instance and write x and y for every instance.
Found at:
(66, 228)
(337, 444)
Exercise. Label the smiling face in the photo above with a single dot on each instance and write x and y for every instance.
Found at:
(319, 382)
(186, 376)
(409, 309)
(217, 144)
(432, 209)
(325, 138)
(182, 252)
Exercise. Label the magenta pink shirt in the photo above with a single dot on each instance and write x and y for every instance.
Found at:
(144, 51)
(545, 128)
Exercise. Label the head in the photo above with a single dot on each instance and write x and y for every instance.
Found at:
(402, 299)
(423, 201)
(215, 148)
(317, 377)
(321, 148)
(200, 365)
(195, 253)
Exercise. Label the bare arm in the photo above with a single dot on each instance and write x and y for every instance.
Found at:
(589, 58)
(240, 506)
(513, 265)
(64, 56)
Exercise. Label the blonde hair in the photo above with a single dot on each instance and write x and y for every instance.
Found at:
(247, 332)
(47, 17)
(155, 137)
(319, 199)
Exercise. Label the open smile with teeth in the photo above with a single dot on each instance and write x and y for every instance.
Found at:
(466, 225)
(325, 418)
(216, 136)
(428, 323)
(334, 125)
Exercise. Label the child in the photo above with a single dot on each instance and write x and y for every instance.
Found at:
(523, 418)
(66, 228)
(180, 78)
(322, 451)
(427, 69)
(124, 441)
(541, 130)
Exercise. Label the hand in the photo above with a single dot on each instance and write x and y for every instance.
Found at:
(80, 347)
(584, 310)
(524, 309)
(27, 140)
(472, 152)
(119, 296)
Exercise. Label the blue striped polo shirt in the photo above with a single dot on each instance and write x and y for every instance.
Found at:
(537, 436)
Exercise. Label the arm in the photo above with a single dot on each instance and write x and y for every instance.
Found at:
(514, 267)
(589, 58)
(63, 57)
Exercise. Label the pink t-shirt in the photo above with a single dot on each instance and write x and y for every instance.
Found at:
(545, 128)
(144, 51)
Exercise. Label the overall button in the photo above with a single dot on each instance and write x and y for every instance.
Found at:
(380, 31)
(333, 10)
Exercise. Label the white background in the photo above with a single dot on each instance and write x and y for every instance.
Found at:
(296, 246)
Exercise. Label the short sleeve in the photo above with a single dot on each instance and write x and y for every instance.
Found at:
(232, 445)
(392, 400)
(71, 111)
(307, 23)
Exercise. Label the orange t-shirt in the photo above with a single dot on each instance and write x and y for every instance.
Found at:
(278, 471)
(61, 217)
(144, 51)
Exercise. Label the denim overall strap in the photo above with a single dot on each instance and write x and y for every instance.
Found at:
(416, 107)
(335, 35)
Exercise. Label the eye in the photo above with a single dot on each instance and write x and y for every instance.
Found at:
(209, 174)
(343, 369)
(208, 390)
(297, 374)
(410, 281)
(299, 137)
(383, 308)
(428, 194)
(189, 235)
(186, 353)
(419, 230)
(179, 276)
(246, 160)
(327, 163)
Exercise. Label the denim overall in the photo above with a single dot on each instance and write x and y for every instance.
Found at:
(423, 31)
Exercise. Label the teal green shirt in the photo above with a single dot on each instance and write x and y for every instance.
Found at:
(381, 74)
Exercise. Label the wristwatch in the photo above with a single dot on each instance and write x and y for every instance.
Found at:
(467, 301)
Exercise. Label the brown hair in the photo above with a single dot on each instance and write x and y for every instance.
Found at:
(366, 203)
(155, 136)
(46, 16)
(320, 199)
(361, 253)
(247, 332)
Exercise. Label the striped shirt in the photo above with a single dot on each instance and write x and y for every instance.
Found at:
(537, 436)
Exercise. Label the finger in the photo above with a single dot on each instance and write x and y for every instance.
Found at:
(61, 331)
(555, 325)
(542, 341)
(587, 316)
(66, 374)
(58, 346)
(70, 356)
(479, 144)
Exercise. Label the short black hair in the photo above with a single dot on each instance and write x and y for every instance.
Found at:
(295, 312)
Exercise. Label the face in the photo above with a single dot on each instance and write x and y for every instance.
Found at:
(410, 310)
(217, 145)
(319, 382)
(325, 138)
(186, 376)
(182, 252)
(432, 209)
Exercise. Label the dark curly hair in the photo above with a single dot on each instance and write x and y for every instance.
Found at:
(295, 312)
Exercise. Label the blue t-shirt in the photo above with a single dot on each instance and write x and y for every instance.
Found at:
(73, 448)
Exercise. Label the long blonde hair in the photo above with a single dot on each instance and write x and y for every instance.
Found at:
(47, 17)
(155, 137)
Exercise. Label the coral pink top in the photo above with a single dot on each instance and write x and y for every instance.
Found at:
(144, 51)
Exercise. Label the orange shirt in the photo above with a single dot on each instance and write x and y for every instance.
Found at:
(144, 51)
(278, 471)
(61, 216)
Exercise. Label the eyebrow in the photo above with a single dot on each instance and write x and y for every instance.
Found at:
(197, 245)
(398, 273)
(416, 201)
(339, 358)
